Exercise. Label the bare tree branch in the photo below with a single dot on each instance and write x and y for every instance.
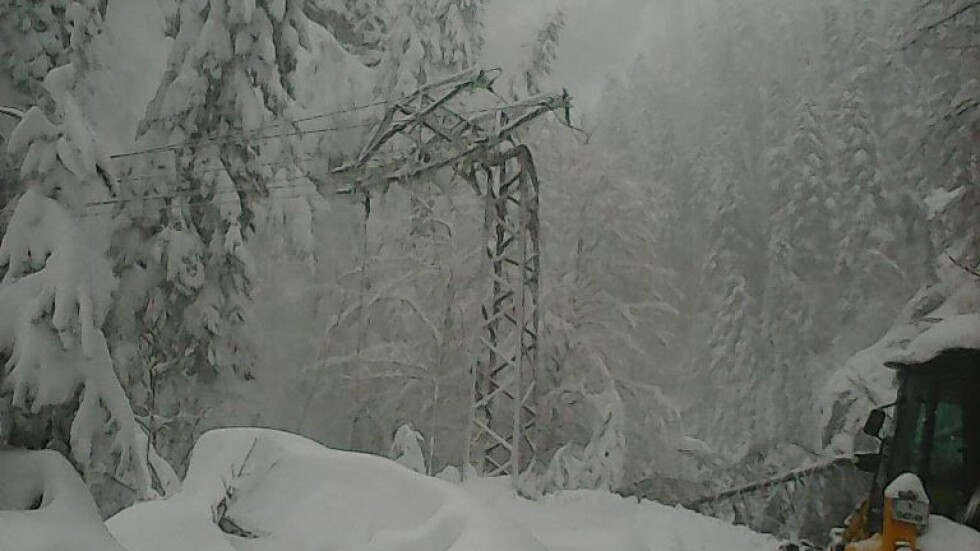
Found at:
(967, 269)
(11, 112)
(922, 31)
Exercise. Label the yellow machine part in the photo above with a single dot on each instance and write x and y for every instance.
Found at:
(895, 535)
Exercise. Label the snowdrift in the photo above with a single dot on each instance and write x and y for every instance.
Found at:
(593, 520)
(945, 534)
(45, 506)
(942, 316)
(264, 490)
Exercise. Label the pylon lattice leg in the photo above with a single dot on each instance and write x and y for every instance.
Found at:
(502, 432)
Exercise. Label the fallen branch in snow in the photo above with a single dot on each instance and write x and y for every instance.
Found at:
(946, 18)
(220, 510)
(796, 474)
(11, 112)
(967, 269)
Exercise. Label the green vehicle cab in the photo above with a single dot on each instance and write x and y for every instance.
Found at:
(928, 463)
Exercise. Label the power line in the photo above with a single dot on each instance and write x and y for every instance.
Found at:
(169, 174)
(218, 140)
(239, 137)
(286, 122)
(88, 208)
(201, 204)
(325, 114)
(164, 175)
(185, 193)
(242, 136)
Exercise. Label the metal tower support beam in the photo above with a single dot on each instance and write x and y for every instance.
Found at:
(501, 439)
(422, 134)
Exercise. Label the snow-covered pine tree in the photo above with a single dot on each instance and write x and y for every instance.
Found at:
(796, 277)
(903, 168)
(542, 52)
(461, 26)
(787, 311)
(57, 290)
(412, 49)
(728, 303)
(943, 35)
(191, 208)
(188, 211)
(366, 20)
(423, 40)
(862, 207)
(43, 34)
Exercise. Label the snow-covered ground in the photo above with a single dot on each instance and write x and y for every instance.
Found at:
(264, 490)
(272, 491)
(586, 520)
(45, 506)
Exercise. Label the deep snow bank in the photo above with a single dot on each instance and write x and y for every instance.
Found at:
(587, 520)
(273, 491)
(45, 506)
(263, 490)
(943, 534)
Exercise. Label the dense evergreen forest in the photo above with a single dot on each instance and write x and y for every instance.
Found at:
(747, 207)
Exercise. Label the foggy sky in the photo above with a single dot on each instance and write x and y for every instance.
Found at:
(601, 37)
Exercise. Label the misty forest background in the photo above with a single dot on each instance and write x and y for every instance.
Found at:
(746, 207)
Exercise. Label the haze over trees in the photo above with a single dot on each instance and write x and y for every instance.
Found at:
(751, 203)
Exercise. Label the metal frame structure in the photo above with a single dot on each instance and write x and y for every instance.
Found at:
(504, 386)
(422, 134)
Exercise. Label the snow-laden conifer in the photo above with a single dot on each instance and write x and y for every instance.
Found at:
(58, 287)
(43, 34)
(190, 209)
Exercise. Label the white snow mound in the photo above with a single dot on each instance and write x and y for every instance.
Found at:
(259, 490)
(943, 534)
(45, 506)
(595, 520)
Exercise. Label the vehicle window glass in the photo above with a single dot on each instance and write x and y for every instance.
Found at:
(947, 450)
(945, 478)
(909, 431)
(918, 431)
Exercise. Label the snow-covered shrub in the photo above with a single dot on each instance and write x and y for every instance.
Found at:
(406, 448)
(58, 284)
(450, 474)
(600, 463)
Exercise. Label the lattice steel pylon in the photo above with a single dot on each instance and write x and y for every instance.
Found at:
(503, 414)
(421, 134)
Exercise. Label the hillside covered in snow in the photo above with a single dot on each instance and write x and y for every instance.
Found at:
(632, 253)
